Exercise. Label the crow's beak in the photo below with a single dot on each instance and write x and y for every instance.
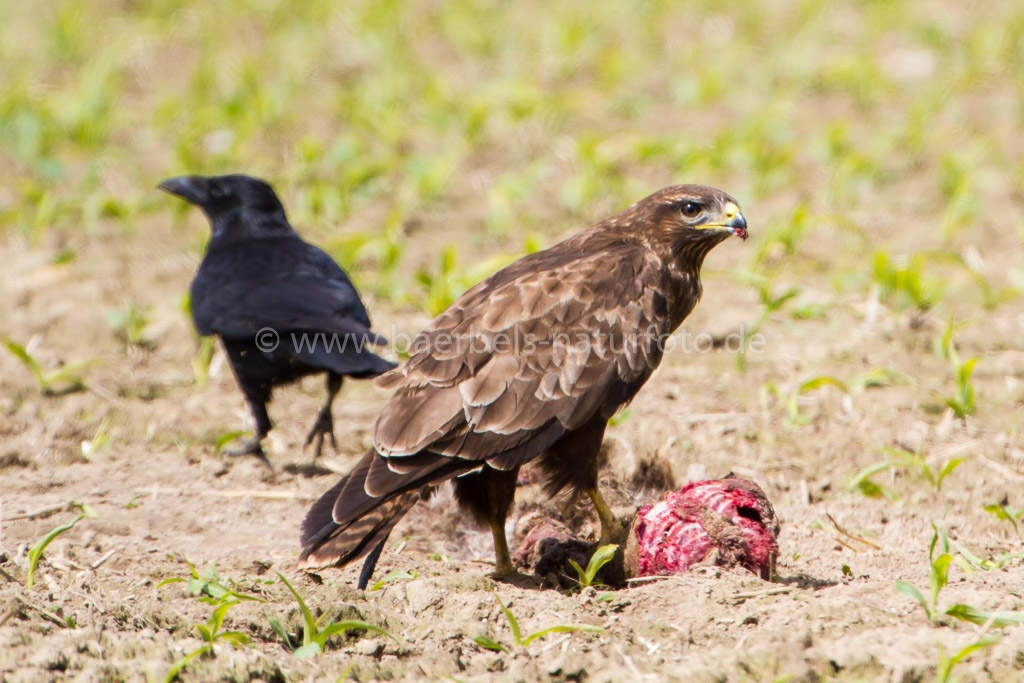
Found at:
(190, 188)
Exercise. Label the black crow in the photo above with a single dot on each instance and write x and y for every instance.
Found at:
(282, 307)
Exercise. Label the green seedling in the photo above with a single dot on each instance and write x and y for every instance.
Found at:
(946, 664)
(518, 641)
(314, 633)
(962, 402)
(202, 359)
(620, 417)
(1006, 514)
(771, 303)
(782, 238)
(991, 296)
(791, 400)
(379, 252)
(962, 203)
(879, 377)
(442, 286)
(35, 553)
(99, 441)
(63, 380)
(969, 561)
(902, 281)
(601, 557)
(209, 587)
(394, 575)
(939, 577)
(129, 325)
(205, 346)
(224, 439)
(862, 482)
(211, 634)
(445, 284)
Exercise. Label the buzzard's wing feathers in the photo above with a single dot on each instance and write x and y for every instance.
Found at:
(516, 363)
(512, 357)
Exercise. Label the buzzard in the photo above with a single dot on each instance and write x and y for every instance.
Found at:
(282, 307)
(529, 363)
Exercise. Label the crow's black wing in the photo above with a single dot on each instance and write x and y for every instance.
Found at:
(284, 284)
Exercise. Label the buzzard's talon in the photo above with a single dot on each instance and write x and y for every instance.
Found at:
(516, 578)
(611, 529)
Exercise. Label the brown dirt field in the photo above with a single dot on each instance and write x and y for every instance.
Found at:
(832, 613)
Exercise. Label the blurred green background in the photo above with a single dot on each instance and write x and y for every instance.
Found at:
(494, 127)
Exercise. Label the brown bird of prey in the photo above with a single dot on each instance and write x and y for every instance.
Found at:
(530, 363)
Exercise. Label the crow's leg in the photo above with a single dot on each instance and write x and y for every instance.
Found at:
(324, 425)
(261, 421)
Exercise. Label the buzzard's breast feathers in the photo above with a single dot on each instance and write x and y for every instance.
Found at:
(526, 351)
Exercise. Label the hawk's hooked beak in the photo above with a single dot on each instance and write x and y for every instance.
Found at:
(734, 224)
(737, 225)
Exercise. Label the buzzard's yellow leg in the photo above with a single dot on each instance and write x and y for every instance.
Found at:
(609, 527)
(502, 559)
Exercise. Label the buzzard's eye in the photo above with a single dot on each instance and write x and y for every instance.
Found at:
(692, 209)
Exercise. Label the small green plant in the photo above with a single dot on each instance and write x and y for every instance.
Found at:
(441, 287)
(946, 664)
(226, 438)
(445, 284)
(63, 380)
(938, 578)
(379, 252)
(202, 359)
(518, 641)
(209, 587)
(600, 558)
(902, 281)
(35, 553)
(962, 402)
(1006, 514)
(314, 634)
(99, 441)
(771, 303)
(129, 325)
(864, 484)
(620, 417)
(394, 575)
(211, 634)
(791, 399)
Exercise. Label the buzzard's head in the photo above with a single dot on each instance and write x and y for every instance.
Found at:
(696, 212)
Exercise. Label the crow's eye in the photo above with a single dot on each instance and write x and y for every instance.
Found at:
(218, 192)
(692, 209)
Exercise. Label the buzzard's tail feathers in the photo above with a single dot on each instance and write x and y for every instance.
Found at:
(356, 515)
